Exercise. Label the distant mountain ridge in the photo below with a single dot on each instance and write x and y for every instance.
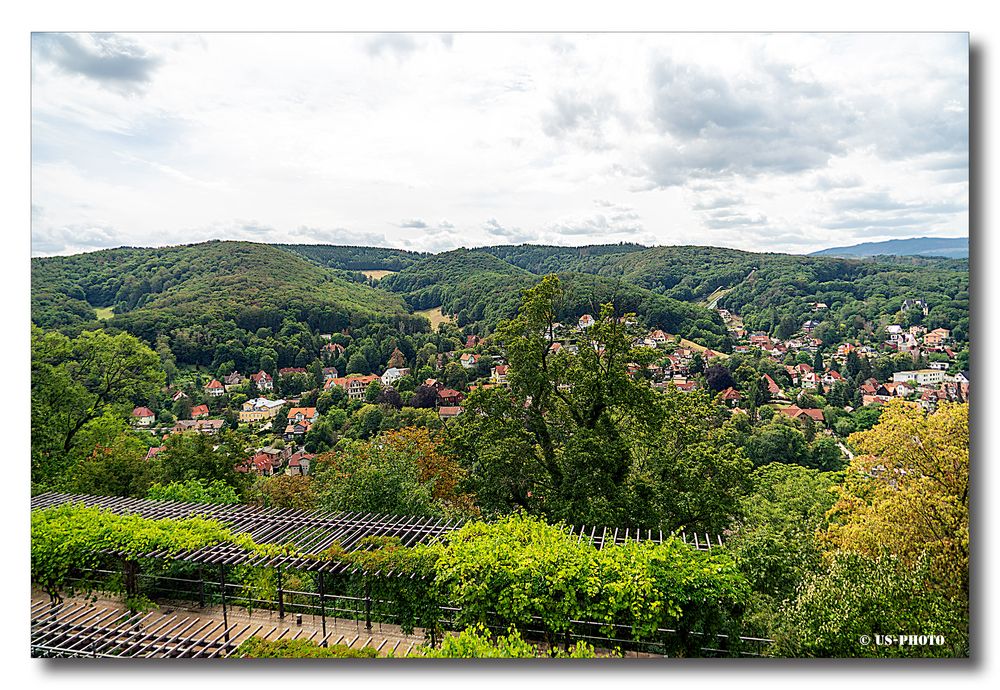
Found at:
(949, 247)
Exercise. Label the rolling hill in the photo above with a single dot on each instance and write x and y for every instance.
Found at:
(254, 285)
(949, 247)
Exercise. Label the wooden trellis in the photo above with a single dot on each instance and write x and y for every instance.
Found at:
(82, 630)
(313, 532)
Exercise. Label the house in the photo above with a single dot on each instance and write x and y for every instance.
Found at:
(199, 411)
(233, 380)
(831, 377)
(393, 374)
(300, 414)
(434, 383)
(215, 389)
(449, 397)
(209, 427)
(942, 366)
(471, 341)
(796, 412)
(298, 463)
(261, 463)
(263, 381)
(260, 409)
(929, 399)
(658, 337)
(937, 337)
(685, 386)
(356, 385)
(178, 395)
(555, 347)
(963, 377)
(300, 428)
(914, 304)
(331, 350)
(817, 306)
(772, 387)
(499, 374)
(288, 371)
(809, 380)
(585, 322)
(469, 360)
(922, 377)
(330, 373)
(730, 397)
(449, 411)
(760, 339)
(845, 349)
(143, 416)
(154, 451)
(810, 326)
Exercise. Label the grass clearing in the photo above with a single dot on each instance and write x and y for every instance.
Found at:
(104, 313)
(377, 274)
(435, 316)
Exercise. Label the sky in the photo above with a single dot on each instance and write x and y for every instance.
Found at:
(782, 142)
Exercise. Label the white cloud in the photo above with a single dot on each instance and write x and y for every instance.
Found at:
(760, 142)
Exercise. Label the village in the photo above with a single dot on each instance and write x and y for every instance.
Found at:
(786, 376)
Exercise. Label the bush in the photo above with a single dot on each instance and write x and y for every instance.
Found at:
(257, 648)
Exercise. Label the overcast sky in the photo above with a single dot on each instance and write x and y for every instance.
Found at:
(772, 143)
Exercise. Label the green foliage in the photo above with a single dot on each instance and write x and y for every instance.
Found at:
(194, 491)
(259, 648)
(476, 643)
(72, 538)
(78, 384)
(578, 438)
(870, 595)
(773, 291)
(775, 541)
(196, 457)
(520, 570)
(481, 288)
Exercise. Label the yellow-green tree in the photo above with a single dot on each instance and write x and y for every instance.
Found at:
(907, 491)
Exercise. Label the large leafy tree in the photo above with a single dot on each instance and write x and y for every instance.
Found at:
(77, 381)
(580, 439)
(908, 491)
(403, 472)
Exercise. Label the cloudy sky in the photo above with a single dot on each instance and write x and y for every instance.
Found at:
(785, 142)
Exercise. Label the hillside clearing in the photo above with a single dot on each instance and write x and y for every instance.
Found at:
(104, 313)
(377, 274)
(435, 316)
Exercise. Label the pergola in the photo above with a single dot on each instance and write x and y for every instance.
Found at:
(79, 630)
(313, 532)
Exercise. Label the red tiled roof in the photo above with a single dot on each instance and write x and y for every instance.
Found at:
(731, 394)
(142, 412)
(772, 387)
(215, 384)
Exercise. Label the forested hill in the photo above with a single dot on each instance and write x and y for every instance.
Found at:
(254, 285)
(479, 287)
(355, 258)
(776, 292)
(151, 292)
(951, 247)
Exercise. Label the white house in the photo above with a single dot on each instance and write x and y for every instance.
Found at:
(393, 374)
(922, 377)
